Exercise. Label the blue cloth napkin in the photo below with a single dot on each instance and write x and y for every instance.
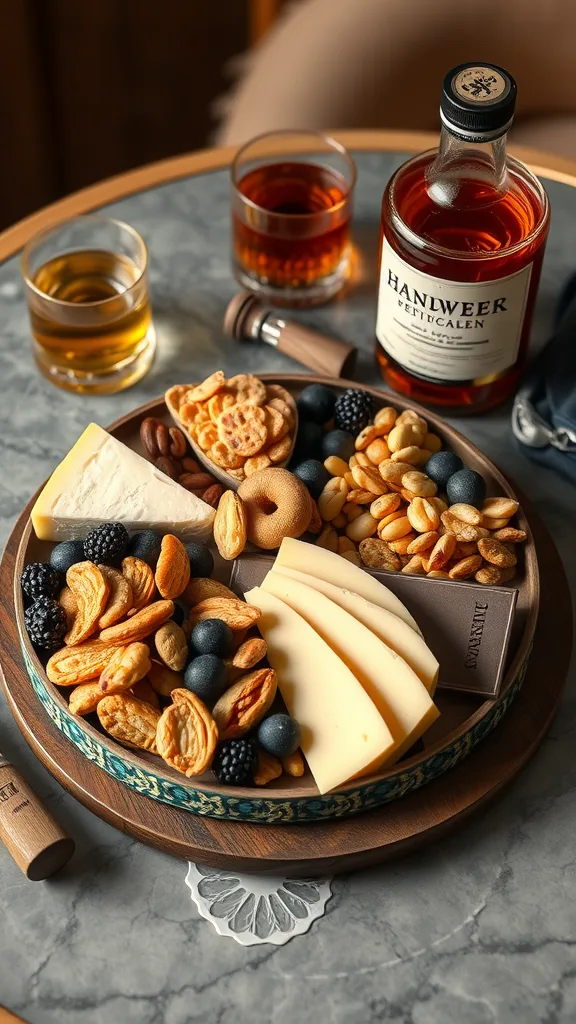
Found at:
(544, 413)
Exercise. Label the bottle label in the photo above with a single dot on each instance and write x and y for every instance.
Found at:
(449, 330)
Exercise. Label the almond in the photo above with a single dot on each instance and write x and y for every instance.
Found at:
(173, 568)
(250, 653)
(235, 613)
(139, 626)
(293, 764)
(245, 703)
(230, 526)
(172, 645)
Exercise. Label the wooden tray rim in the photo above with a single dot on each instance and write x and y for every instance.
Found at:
(274, 801)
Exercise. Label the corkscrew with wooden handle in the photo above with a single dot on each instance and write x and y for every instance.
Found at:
(29, 832)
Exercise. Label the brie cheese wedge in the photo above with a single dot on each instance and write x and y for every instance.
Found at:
(103, 481)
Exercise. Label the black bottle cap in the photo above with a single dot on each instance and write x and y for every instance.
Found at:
(478, 101)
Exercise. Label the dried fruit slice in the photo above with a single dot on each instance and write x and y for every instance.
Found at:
(120, 598)
(186, 734)
(139, 626)
(173, 568)
(140, 578)
(128, 665)
(130, 721)
(91, 590)
(73, 665)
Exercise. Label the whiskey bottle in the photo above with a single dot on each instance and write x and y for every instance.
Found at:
(462, 242)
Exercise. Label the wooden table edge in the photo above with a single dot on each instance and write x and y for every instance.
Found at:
(547, 165)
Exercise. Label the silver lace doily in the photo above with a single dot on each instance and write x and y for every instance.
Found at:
(254, 909)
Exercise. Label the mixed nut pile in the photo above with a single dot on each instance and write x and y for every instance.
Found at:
(390, 498)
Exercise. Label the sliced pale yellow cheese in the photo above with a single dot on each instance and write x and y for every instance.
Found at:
(103, 481)
(392, 630)
(343, 734)
(401, 698)
(326, 565)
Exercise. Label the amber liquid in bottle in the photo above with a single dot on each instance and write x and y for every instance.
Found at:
(465, 213)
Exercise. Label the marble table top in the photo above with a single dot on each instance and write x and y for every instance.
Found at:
(477, 928)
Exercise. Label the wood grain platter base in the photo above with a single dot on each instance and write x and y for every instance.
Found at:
(322, 847)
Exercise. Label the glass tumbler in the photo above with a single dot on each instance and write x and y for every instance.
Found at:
(291, 208)
(87, 290)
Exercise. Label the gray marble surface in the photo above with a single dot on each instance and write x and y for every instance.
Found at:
(475, 929)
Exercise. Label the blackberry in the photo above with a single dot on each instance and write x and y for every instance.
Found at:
(235, 762)
(45, 623)
(107, 544)
(353, 410)
(39, 580)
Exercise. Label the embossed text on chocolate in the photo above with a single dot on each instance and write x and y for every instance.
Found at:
(475, 638)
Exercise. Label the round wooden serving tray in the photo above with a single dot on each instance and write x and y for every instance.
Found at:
(464, 720)
(318, 848)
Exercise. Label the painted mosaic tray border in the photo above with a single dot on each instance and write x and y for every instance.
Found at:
(279, 810)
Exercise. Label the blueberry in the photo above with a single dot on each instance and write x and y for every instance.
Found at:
(212, 636)
(338, 442)
(180, 613)
(466, 486)
(308, 440)
(441, 466)
(279, 735)
(201, 560)
(317, 403)
(314, 475)
(206, 677)
(67, 554)
(146, 545)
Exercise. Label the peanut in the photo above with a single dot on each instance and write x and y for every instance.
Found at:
(339, 522)
(386, 418)
(402, 436)
(498, 508)
(369, 479)
(442, 552)
(467, 513)
(465, 568)
(423, 542)
(335, 465)
(415, 566)
(411, 455)
(384, 505)
(393, 472)
(398, 528)
(359, 496)
(419, 484)
(401, 545)
(377, 451)
(438, 574)
(422, 515)
(333, 498)
(363, 527)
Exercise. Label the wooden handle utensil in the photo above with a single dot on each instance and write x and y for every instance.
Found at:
(246, 319)
(29, 832)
